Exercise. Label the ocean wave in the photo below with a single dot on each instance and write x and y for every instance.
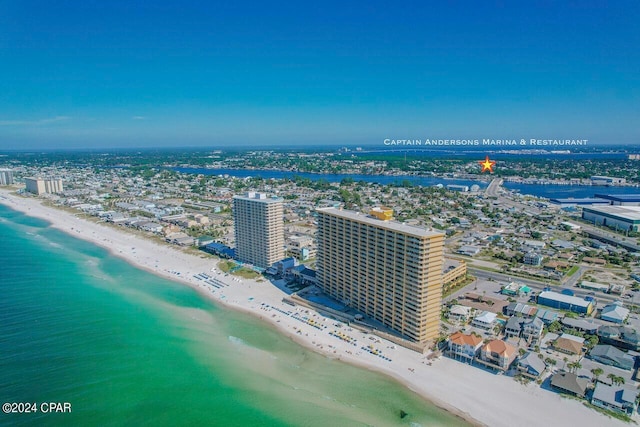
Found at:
(236, 340)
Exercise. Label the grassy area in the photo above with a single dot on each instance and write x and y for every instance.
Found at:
(572, 270)
(611, 414)
(246, 273)
(226, 265)
(464, 283)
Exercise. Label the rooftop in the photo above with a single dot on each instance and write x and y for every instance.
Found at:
(629, 213)
(389, 225)
(568, 299)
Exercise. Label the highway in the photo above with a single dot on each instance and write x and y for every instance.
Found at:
(537, 285)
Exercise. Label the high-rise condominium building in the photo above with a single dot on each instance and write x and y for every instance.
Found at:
(44, 186)
(259, 229)
(387, 270)
(6, 177)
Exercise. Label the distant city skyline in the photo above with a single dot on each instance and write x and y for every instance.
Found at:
(121, 74)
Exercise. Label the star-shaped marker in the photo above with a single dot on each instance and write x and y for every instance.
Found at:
(487, 165)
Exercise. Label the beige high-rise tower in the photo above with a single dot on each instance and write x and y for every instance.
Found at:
(385, 269)
(259, 229)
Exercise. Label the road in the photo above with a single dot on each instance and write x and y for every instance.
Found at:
(539, 285)
(494, 187)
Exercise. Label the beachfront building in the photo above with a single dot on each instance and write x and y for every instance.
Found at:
(385, 269)
(44, 186)
(259, 229)
(618, 398)
(498, 354)
(569, 383)
(531, 365)
(6, 177)
(463, 346)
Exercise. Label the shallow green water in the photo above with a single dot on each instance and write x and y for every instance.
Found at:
(125, 347)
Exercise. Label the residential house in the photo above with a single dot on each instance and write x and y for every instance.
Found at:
(531, 365)
(460, 313)
(615, 313)
(521, 310)
(498, 354)
(609, 355)
(569, 344)
(570, 383)
(464, 346)
(513, 327)
(547, 316)
(620, 336)
(484, 320)
(615, 398)
(533, 258)
(532, 330)
(587, 326)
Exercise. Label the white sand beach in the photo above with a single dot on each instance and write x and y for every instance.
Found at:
(480, 397)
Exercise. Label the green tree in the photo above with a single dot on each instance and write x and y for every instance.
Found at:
(596, 373)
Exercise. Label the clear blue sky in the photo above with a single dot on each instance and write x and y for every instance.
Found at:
(155, 73)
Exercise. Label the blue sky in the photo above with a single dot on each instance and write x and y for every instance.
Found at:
(125, 73)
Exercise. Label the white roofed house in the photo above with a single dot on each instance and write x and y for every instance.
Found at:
(615, 313)
(484, 320)
(460, 313)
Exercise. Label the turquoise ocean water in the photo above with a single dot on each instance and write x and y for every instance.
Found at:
(125, 347)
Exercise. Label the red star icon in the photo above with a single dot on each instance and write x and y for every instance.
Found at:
(487, 165)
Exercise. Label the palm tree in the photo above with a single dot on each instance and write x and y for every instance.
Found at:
(565, 359)
(574, 366)
(596, 373)
(616, 379)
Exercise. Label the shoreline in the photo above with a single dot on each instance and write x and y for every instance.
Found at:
(469, 393)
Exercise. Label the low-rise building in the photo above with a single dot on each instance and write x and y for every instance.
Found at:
(453, 272)
(532, 330)
(569, 344)
(618, 398)
(498, 354)
(513, 328)
(620, 336)
(612, 356)
(533, 258)
(582, 325)
(531, 365)
(460, 313)
(565, 302)
(521, 310)
(615, 313)
(570, 383)
(484, 320)
(464, 346)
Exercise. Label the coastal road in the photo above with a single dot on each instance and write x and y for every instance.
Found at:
(539, 285)
(494, 187)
